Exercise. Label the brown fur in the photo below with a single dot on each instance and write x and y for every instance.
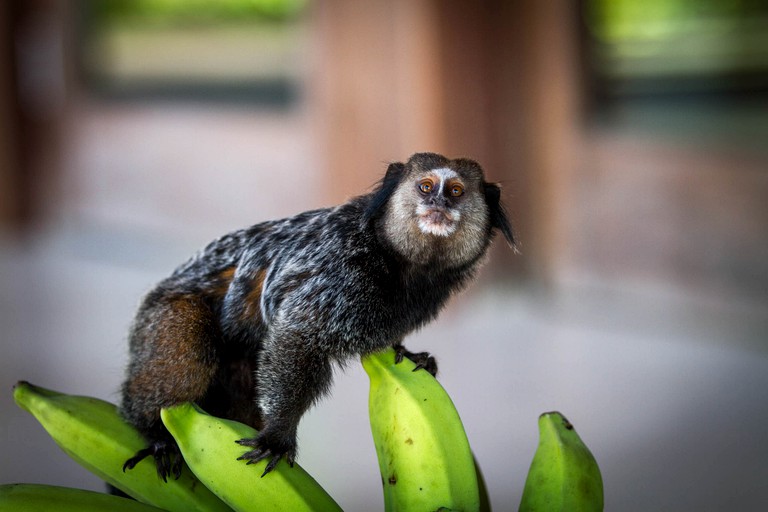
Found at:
(180, 365)
(252, 310)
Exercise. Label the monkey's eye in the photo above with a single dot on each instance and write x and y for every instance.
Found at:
(457, 190)
(426, 186)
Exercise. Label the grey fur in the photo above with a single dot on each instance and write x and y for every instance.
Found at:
(266, 311)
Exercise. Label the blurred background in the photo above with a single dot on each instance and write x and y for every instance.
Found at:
(631, 139)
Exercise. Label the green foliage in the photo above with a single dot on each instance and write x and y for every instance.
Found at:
(618, 20)
(178, 12)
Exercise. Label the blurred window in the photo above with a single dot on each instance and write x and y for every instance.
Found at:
(691, 69)
(678, 46)
(222, 50)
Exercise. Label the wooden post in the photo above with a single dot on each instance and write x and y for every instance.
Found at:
(376, 92)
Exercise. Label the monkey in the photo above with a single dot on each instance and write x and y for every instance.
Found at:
(250, 327)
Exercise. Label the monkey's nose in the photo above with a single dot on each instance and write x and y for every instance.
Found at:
(437, 200)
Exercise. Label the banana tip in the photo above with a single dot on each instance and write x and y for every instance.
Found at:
(567, 424)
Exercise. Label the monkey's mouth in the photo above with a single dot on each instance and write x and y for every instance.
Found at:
(437, 222)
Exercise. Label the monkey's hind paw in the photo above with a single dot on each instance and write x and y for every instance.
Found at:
(167, 458)
(423, 360)
(263, 449)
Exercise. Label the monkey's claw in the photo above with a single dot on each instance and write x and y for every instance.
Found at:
(423, 360)
(262, 449)
(167, 459)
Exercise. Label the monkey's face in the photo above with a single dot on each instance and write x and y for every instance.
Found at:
(439, 207)
(440, 194)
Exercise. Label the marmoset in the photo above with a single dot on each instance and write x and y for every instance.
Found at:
(251, 327)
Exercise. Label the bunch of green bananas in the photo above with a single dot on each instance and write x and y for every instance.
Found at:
(92, 432)
(424, 456)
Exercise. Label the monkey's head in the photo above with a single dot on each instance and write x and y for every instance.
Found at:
(432, 209)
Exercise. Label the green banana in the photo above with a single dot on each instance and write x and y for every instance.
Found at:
(564, 475)
(37, 497)
(92, 432)
(209, 446)
(424, 456)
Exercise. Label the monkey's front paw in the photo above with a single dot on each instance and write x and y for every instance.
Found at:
(266, 447)
(423, 360)
(167, 458)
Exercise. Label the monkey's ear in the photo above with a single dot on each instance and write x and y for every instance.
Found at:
(498, 213)
(384, 190)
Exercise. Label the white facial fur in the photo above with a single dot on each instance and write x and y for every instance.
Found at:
(454, 239)
(444, 174)
(441, 223)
